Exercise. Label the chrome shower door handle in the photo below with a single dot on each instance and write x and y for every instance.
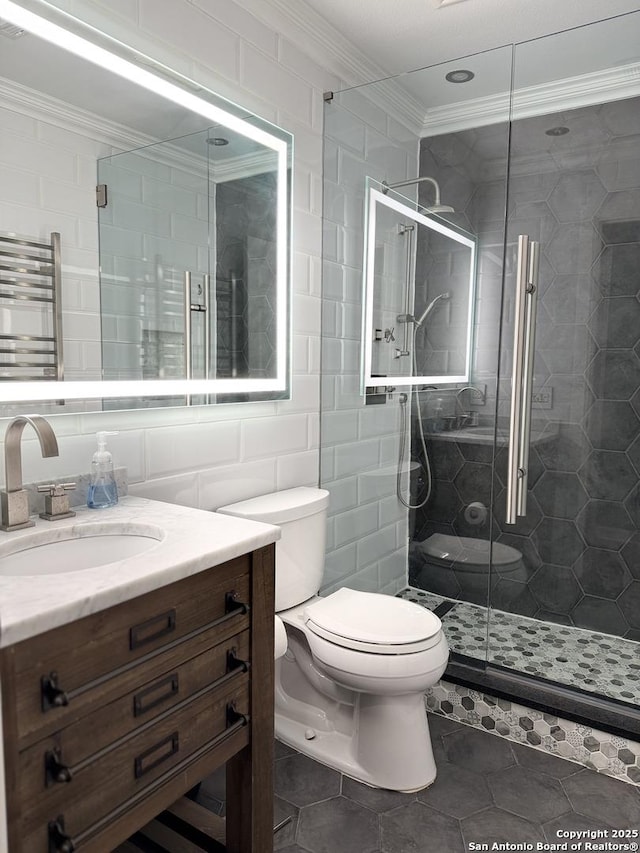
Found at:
(515, 472)
(527, 374)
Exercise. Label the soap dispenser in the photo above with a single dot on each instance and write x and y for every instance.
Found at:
(103, 491)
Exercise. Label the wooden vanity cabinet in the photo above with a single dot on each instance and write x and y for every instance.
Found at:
(110, 719)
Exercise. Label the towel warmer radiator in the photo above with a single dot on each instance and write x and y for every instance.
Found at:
(30, 276)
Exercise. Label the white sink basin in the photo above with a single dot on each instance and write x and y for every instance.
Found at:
(76, 548)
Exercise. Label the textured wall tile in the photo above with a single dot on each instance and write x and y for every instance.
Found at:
(585, 745)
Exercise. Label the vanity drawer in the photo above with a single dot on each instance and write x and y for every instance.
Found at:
(71, 748)
(133, 767)
(92, 659)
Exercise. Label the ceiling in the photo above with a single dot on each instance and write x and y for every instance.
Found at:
(402, 35)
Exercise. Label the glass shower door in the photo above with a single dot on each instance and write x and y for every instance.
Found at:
(451, 538)
(154, 261)
(189, 259)
(444, 170)
(569, 612)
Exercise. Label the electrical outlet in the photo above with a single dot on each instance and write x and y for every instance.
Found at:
(542, 399)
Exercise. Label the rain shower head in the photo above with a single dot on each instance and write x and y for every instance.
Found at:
(436, 207)
(439, 208)
(430, 307)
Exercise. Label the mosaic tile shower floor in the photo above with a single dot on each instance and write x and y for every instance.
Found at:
(599, 663)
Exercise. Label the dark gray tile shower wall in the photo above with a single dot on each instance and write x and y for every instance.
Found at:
(579, 194)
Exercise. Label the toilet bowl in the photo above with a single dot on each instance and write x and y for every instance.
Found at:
(350, 687)
(459, 566)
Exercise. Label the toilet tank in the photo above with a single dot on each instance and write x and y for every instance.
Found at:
(301, 514)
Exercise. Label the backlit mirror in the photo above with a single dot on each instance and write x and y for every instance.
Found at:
(420, 280)
(144, 228)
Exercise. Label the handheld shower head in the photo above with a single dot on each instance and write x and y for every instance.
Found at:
(421, 319)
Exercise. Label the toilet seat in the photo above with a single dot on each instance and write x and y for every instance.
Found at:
(372, 622)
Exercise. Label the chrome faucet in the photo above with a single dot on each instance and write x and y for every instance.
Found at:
(467, 417)
(14, 501)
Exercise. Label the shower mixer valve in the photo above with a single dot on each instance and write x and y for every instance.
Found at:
(387, 335)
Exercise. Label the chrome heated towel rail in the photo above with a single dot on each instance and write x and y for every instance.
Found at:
(30, 276)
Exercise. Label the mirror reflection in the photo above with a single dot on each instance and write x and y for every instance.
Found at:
(188, 258)
(420, 280)
(172, 248)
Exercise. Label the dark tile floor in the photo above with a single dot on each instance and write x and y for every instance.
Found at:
(487, 790)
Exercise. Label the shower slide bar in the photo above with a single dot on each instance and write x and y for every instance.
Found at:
(30, 272)
(524, 339)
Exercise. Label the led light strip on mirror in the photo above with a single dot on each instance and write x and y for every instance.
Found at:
(377, 197)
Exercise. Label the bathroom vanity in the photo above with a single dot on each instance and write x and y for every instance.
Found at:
(125, 684)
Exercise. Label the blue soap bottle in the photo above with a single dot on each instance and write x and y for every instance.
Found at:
(103, 491)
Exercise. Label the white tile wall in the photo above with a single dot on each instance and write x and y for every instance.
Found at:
(45, 188)
(211, 455)
(367, 544)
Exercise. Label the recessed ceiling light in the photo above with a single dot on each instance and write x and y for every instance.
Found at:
(217, 140)
(460, 75)
(557, 131)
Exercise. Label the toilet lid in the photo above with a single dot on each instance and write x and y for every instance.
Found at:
(372, 622)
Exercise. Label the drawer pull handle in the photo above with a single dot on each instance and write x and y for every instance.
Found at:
(234, 662)
(141, 634)
(235, 720)
(53, 696)
(55, 769)
(169, 745)
(59, 840)
(156, 694)
(233, 606)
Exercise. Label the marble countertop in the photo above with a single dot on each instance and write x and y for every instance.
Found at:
(486, 435)
(191, 540)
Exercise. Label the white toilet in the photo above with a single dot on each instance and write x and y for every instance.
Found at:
(459, 566)
(473, 555)
(350, 688)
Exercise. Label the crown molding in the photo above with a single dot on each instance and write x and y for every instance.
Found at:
(301, 24)
(42, 107)
(570, 93)
(325, 44)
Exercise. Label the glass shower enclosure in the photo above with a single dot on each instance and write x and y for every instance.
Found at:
(514, 510)
(188, 247)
